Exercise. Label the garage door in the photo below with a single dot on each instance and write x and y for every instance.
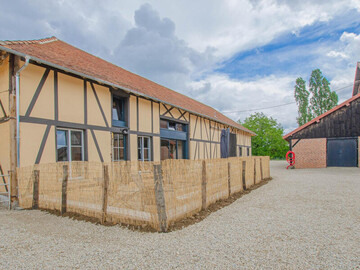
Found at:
(342, 152)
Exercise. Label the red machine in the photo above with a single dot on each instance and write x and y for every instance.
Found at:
(290, 158)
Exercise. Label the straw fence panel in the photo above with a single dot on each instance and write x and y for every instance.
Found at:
(84, 188)
(131, 196)
(25, 182)
(235, 175)
(182, 188)
(249, 172)
(217, 180)
(134, 192)
(266, 167)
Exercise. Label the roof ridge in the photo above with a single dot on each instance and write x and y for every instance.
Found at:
(30, 41)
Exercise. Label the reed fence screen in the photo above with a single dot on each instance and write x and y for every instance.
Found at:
(138, 193)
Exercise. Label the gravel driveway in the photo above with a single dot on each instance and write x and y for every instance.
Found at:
(302, 219)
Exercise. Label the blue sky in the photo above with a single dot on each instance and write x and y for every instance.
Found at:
(289, 53)
(234, 55)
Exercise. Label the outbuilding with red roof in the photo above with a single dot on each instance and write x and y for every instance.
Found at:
(331, 139)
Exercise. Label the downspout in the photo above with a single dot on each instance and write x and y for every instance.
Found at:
(17, 86)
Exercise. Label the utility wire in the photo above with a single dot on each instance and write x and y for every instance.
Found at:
(281, 105)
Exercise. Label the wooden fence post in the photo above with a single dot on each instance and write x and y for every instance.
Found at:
(160, 198)
(64, 189)
(35, 202)
(105, 193)
(254, 171)
(243, 174)
(229, 180)
(203, 186)
(261, 169)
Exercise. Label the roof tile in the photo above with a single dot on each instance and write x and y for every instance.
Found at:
(65, 55)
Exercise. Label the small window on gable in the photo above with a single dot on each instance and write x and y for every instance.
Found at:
(118, 111)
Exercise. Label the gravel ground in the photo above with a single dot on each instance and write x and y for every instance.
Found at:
(302, 219)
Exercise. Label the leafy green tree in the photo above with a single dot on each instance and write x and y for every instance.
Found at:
(302, 100)
(269, 141)
(321, 97)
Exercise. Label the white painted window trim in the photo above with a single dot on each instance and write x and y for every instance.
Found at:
(141, 148)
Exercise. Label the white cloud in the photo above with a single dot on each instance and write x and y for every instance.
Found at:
(239, 25)
(349, 47)
(180, 43)
(94, 27)
(152, 49)
(236, 97)
(341, 63)
(337, 54)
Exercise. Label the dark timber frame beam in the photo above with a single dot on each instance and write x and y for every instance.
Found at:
(99, 104)
(3, 110)
(168, 110)
(64, 124)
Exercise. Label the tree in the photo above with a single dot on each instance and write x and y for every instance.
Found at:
(321, 97)
(302, 100)
(269, 141)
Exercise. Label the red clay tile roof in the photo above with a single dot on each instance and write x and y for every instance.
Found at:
(59, 53)
(346, 102)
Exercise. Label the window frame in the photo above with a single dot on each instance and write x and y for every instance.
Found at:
(124, 101)
(173, 122)
(177, 147)
(113, 134)
(69, 144)
(141, 148)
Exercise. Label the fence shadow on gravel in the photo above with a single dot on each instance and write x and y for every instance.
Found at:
(155, 194)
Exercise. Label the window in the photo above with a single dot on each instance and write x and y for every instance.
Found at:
(144, 149)
(240, 151)
(118, 112)
(163, 124)
(172, 149)
(69, 145)
(179, 127)
(171, 125)
(248, 151)
(119, 149)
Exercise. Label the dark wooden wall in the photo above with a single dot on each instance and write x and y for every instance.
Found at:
(345, 122)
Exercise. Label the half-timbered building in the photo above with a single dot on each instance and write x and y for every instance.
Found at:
(59, 103)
